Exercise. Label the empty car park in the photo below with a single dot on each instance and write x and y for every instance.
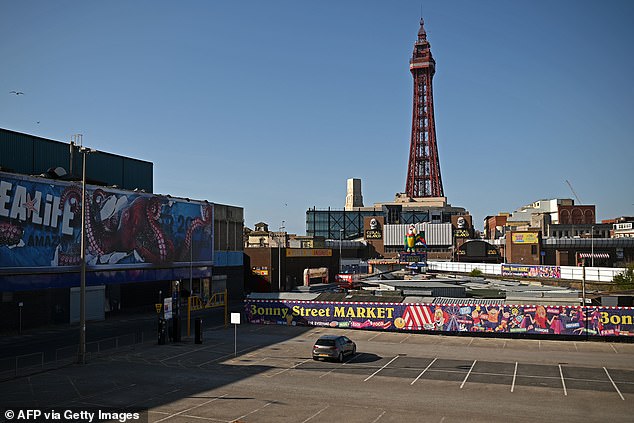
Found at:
(393, 376)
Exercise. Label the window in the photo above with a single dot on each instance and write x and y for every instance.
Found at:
(533, 249)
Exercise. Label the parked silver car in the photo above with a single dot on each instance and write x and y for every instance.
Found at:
(333, 347)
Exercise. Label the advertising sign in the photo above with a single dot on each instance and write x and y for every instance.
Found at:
(501, 318)
(524, 238)
(40, 227)
(553, 272)
(167, 307)
(308, 252)
(461, 233)
(373, 234)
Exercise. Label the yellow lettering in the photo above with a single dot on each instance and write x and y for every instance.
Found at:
(314, 312)
(371, 313)
(350, 312)
(296, 310)
(615, 320)
(380, 313)
(322, 312)
(360, 312)
(605, 318)
(339, 312)
(626, 320)
(390, 311)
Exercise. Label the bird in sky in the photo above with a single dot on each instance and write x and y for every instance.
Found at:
(16, 92)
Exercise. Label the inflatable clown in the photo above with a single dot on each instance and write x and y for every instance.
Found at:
(411, 238)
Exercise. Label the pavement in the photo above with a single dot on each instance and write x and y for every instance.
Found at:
(252, 373)
(60, 341)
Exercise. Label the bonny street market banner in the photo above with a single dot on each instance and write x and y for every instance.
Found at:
(509, 319)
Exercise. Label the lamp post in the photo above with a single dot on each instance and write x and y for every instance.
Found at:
(82, 284)
(592, 246)
(340, 235)
(279, 258)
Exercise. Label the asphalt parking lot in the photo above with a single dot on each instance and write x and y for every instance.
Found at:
(269, 375)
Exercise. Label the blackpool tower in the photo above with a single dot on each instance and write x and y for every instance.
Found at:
(423, 170)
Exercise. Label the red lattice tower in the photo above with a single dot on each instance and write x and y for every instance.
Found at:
(423, 170)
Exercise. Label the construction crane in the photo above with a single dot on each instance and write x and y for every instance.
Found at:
(573, 192)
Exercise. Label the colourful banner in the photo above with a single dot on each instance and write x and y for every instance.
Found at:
(40, 227)
(524, 238)
(533, 319)
(552, 272)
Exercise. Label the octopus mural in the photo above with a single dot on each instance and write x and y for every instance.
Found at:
(116, 229)
(10, 234)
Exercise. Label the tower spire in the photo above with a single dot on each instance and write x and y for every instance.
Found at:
(423, 170)
(422, 34)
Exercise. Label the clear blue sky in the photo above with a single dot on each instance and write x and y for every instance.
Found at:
(272, 105)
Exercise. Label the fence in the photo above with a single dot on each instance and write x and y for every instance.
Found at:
(28, 364)
(500, 319)
(596, 274)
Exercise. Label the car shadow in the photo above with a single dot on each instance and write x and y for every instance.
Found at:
(361, 357)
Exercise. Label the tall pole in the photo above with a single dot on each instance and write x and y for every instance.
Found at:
(82, 284)
(583, 282)
(340, 234)
(279, 258)
(592, 245)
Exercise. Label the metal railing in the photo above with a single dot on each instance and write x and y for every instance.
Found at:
(28, 364)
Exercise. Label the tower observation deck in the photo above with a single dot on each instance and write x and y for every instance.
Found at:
(423, 170)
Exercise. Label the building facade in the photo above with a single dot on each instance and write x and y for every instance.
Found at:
(138, 244)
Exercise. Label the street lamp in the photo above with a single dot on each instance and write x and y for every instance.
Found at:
(592, 245)
(279, 258)
(82, 284)
(340, 234)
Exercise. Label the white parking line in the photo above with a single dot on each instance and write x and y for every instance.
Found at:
(423, 372)
(614, 384)
(189, 352)
(563, 382)
(228, 355)
(254, 411)
(388, 363)
(316, 414)
(405, 339)
(287, 369)
(190, 409)
(467, 377)
(380, 415)
(514, 375)
(371, 338)
(613, 348)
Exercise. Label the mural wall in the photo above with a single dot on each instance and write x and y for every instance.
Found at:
(40, 228)
(509, 319)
